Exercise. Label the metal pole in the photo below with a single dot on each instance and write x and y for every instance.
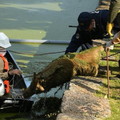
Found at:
(108, 83)
(119, 66)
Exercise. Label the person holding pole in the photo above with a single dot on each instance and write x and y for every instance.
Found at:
(111, 43)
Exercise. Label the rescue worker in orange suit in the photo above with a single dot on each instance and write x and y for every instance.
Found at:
(114, 12)
(5, 72)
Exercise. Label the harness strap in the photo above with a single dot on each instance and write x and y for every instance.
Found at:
(6, 64)
(7, 86)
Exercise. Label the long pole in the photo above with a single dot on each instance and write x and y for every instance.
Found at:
(108, 83)
(40, 41)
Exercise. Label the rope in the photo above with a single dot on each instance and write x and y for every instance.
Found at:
(111, 55)
(36, 54)
(14, 93)
(108, 81)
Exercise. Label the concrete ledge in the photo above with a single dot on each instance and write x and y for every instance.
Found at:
(81, 103)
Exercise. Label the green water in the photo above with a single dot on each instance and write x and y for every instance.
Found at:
(27, 59)
(39, 19)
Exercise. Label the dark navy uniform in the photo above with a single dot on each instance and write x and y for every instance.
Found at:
(82, 38)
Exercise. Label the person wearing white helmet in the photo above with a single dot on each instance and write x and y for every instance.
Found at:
(5, 72)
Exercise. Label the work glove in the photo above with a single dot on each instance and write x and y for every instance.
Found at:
(109, 45)
(115, 40)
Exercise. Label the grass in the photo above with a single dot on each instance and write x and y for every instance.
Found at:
(114, 83)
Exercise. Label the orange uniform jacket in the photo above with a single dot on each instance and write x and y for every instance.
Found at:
(3, 67)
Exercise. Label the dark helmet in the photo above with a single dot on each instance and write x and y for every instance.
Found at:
(84, 20)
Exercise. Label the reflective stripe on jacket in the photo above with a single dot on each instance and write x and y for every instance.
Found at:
(4, 67)
(6, 64)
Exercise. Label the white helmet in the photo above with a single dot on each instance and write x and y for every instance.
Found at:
(2, 88)
(4, 41)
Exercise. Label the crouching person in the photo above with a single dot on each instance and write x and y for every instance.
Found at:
(5, 72)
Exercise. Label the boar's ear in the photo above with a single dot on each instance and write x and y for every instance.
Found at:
(34, 78)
